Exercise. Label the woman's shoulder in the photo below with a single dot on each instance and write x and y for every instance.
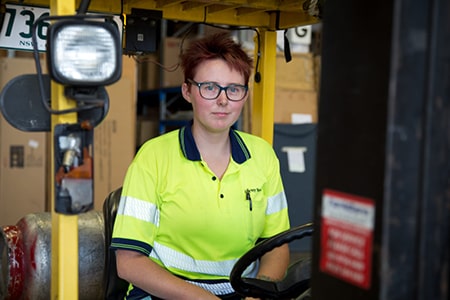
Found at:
(253, 140)
(257, 146)
(163, 142)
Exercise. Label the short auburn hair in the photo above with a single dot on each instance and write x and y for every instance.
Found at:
(219, 45)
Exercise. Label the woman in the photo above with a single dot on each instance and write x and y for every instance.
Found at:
(194, 200)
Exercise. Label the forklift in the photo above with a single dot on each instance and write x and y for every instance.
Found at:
(381, 198)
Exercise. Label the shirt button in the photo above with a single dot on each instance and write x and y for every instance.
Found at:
(221, 195)
(214, 178)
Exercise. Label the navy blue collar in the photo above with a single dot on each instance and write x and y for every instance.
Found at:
(239, 150)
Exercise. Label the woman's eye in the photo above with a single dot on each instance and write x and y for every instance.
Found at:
(233, 89)
(210, 87)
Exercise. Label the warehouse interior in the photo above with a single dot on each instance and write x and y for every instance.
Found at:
(360, 114)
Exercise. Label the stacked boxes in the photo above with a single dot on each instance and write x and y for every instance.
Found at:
(23, 158)
(296, 89)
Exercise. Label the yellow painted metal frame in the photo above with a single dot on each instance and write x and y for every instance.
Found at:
(267, 16)
(64, 279)
(264, 91)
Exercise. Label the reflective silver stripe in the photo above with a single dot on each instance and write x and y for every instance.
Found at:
(138, 209)
(221, 288)
(174, 259)
(276, 203)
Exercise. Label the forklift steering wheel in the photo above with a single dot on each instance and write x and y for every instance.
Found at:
(297, 278)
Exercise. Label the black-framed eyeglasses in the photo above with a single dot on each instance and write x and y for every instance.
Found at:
(211, 90)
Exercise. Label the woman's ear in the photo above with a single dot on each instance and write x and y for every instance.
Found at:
(185, 91)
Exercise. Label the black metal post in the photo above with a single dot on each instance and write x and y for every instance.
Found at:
(383, 151)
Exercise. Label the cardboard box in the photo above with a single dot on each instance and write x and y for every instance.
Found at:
(146, 129)
(148, 72)
(115, 137)
(317, 70)
(299, 73)
(172, 75)
(162, 69)
(296, 94)
(22, 173)
(295, 106)
(23, 158)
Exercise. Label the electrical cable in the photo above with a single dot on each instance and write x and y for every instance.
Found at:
(257, 77)
(287, 47)
(83, 7)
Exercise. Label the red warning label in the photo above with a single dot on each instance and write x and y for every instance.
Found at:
(347, 237)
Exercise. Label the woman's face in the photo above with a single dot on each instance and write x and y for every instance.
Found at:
(220, 114)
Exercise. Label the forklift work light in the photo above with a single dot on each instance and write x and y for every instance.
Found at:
(84, 53)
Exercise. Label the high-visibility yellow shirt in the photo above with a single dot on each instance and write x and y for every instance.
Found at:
(174, 209)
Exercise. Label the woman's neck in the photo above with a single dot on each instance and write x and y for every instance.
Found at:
(214, 148)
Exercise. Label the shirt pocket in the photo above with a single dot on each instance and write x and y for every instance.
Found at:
(256, 202)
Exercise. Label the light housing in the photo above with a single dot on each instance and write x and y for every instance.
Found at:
(84, 52)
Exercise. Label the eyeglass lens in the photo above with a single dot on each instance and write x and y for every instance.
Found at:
(211, 90)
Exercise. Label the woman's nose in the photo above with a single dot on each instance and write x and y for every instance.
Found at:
(222, 98)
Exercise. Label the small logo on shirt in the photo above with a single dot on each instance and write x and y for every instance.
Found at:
(248, 196)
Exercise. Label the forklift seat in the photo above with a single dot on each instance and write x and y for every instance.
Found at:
(115, 288)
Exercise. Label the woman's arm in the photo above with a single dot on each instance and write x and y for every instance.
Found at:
(273, 265)
(142, 272)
